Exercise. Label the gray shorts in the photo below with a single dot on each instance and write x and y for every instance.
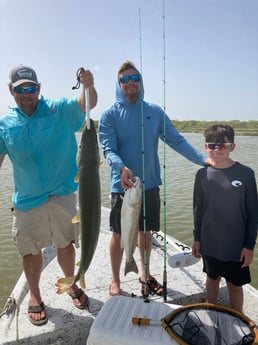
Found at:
(46, 224)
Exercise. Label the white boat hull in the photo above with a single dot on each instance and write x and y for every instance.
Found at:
(69, 325)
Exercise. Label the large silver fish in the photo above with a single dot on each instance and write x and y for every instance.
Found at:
(88, 161)
(130, 213)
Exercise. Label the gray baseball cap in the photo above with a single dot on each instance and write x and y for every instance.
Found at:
(23, 74)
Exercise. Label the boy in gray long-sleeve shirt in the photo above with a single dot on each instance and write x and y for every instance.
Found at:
(225, 217)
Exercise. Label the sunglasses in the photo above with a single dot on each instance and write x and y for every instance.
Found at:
(217, 146)
(126, 78)
(29, 89)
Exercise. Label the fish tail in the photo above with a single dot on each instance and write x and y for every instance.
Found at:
(63, 284)
(131, 267)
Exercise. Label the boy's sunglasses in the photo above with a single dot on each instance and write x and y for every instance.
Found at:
(217, 146)
(29, 89)
(126, 78)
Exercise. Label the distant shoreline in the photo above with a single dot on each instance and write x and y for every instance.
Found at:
(246, 128)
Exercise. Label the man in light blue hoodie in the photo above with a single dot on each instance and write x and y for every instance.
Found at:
(38, 135)
(128, 127)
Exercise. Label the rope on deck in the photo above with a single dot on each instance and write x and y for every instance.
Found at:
(11, 307)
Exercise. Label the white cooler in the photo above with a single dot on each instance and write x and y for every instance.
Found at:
(113, 324)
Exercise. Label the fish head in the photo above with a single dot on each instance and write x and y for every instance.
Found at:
(134, 194)
(137, 182)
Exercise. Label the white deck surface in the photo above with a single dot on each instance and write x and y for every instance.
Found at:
(69, 325)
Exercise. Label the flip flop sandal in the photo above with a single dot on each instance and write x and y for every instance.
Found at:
(37, 310)
(153, 287)
(77, 295)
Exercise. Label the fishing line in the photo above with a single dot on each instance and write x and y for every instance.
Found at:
(146, 290)
(78, 83)
(164, 159)
(87, 96)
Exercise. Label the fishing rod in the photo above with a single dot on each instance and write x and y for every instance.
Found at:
(164, 159)
(146, 290)
(87, 96)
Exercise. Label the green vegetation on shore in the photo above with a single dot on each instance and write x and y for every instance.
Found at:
(240, 127)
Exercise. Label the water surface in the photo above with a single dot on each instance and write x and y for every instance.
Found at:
(179, 176)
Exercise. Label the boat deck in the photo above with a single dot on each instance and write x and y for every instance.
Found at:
(69, 325)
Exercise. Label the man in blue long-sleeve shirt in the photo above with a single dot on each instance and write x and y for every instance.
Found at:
(128, 131)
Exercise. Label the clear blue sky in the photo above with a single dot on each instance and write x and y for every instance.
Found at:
(211, 55)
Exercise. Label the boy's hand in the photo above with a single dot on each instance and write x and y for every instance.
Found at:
(247, 256)
(196, 249)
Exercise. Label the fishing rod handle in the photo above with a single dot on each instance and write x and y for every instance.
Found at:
(139, 321)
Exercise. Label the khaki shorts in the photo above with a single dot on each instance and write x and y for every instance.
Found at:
(46, 224)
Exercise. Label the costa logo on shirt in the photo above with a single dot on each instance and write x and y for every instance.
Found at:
(236, 183)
